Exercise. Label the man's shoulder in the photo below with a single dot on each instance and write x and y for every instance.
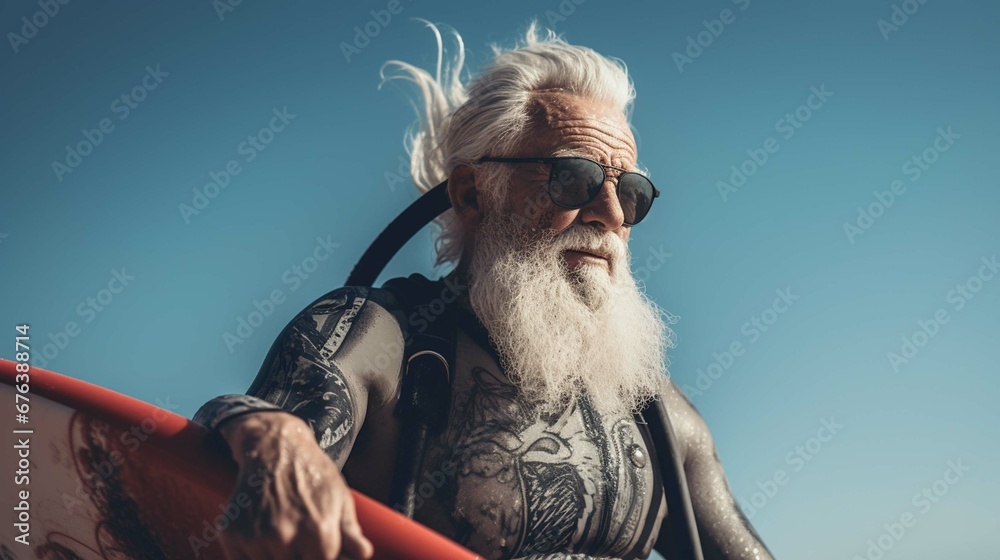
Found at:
(364, 325)
(396, 297)
(688, 424)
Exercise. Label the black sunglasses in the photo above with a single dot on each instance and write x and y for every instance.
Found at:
(576, 181)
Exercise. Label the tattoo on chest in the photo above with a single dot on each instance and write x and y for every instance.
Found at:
(525, 483)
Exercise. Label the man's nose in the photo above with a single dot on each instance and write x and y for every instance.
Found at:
(605, 211)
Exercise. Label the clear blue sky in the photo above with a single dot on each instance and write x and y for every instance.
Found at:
(839, 104)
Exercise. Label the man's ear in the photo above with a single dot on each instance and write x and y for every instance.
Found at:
(464, 195)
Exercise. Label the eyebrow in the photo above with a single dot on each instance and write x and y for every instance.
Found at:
(572, 152)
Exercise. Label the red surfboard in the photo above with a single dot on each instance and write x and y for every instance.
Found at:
(102, 475)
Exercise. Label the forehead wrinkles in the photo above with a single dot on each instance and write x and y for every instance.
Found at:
(596, 142)
(564, 124)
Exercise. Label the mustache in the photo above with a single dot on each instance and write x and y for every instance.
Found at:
(588, 239)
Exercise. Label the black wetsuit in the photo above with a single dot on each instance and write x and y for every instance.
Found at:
(501, 479)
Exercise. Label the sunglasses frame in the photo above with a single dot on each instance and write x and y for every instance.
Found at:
(604, 169)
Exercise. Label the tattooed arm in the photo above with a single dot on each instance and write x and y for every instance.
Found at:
(725, 533)
(323, 367)
(296, 427)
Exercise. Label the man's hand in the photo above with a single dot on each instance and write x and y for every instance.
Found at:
(299, 504)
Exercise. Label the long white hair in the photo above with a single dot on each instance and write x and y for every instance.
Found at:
(458, 123)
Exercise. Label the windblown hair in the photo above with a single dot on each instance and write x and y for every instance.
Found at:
(458, 123)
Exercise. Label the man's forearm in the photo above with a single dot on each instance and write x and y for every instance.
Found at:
(220, 410)
(246, 423)
(249, 435)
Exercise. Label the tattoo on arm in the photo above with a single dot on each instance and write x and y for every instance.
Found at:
(300, 375)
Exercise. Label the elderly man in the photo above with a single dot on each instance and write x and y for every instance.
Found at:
(556, 347)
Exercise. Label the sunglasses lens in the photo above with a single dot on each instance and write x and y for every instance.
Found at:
(575, 182)
(635, 193)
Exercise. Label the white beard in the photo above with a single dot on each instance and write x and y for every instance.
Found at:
(560, 332)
